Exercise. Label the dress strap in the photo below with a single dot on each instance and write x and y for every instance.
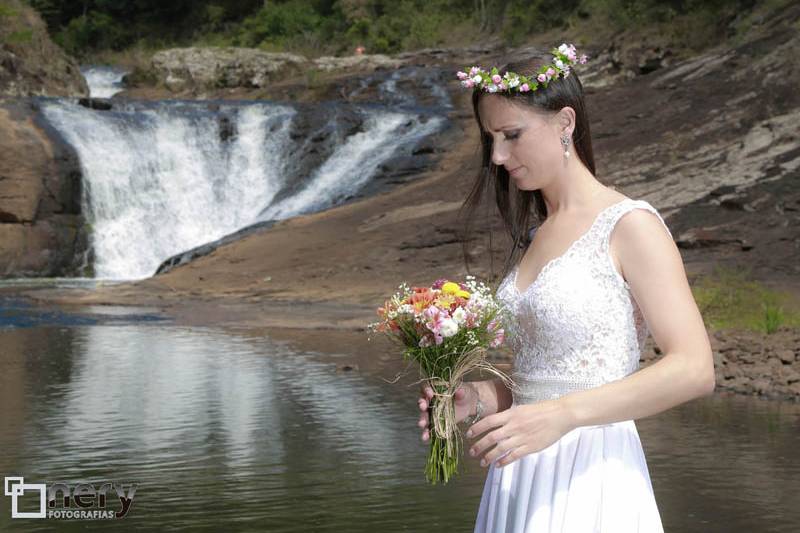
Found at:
(610, 222)
(625, 207)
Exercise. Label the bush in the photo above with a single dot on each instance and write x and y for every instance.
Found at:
(94, 31)
(279, 23)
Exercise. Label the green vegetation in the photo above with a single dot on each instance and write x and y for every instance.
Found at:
(329, 27)
(728, 298)
(9, 34)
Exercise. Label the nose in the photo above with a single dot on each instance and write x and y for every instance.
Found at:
(499, 156)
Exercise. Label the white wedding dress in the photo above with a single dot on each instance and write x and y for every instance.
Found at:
(577, 326)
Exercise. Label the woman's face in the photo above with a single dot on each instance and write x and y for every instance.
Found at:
(524, 141)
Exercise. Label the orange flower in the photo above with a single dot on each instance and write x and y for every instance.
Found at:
(383, 310)
(422, 299)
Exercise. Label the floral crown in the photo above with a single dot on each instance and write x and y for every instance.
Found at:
(491, 81)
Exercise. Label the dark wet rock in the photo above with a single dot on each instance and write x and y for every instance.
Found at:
(205, 249)
(100, 104)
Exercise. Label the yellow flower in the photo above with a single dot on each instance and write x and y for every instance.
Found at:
(454, 289)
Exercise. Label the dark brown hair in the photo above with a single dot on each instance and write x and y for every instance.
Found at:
(516, 211)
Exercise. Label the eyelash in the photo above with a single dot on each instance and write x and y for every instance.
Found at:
(513, 136)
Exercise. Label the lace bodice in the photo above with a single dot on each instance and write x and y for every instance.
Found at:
(577, 325)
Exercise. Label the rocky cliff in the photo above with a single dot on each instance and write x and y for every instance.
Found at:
(41, 229)
(42, 232)
(30, 63)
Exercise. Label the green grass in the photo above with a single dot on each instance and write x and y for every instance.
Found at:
(7, 11)
(729, 299)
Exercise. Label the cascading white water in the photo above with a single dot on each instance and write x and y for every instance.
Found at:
(162, 178)
(103, 81)
(353, 162)
(161, 181)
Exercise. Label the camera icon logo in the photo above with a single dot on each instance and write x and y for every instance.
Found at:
(16, 487)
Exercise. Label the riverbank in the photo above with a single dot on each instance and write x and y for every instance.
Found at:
(747, 362)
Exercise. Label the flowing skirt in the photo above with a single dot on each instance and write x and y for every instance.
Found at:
(593, 479)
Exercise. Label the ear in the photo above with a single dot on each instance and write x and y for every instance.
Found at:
(566, 120)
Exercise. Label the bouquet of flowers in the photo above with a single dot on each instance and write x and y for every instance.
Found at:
(447, 328)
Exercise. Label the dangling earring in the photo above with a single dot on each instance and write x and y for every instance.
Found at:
(565, 142)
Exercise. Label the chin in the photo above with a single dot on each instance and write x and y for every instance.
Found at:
(525, 184)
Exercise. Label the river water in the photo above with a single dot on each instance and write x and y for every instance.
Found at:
(222, 430)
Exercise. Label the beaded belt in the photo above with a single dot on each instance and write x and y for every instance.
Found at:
(531, 389)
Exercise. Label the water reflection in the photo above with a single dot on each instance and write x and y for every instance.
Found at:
(222, 431)
(215, 429)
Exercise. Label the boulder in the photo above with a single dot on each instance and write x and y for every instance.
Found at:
(182, 68)
(364, 62)
(42, 232)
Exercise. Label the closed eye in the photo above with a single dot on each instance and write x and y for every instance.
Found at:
(511, 136)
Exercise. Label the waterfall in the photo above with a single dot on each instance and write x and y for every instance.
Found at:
(103, 81)
(353, 163)
(160, 178)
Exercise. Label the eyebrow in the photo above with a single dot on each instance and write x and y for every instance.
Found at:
(508, 127)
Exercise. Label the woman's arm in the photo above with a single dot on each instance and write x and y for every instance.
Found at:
(652, 265)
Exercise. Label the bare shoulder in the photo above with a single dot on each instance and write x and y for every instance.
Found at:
(641, 236)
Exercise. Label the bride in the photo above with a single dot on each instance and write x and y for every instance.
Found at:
(599, 272)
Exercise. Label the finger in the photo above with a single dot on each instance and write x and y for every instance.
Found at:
(509, 457)
(488, 440)
(501, 448)
(485, 424)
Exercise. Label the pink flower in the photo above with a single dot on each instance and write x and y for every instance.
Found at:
(473, 71)
(550, 72)
(496, 78)
(524, 88)
(541, 77)
(438, 283)
(461, 75)
(583, 59)
(468, 83)
(434, 319)
(471, 319)
(503, 85)
(498, 339)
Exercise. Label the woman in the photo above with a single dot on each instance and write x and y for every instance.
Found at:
(562, 449)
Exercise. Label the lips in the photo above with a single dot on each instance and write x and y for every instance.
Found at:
(513, 169)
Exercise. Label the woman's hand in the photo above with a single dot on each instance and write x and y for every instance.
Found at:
(520, 430)
(464, 400)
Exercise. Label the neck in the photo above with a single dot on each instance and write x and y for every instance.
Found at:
(576, 190)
